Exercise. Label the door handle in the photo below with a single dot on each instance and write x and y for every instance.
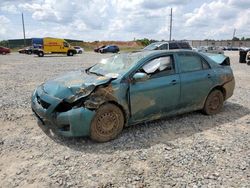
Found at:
(173, 82)
(209, 75)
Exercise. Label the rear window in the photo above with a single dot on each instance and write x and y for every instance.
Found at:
(173, 46)
(184, 45)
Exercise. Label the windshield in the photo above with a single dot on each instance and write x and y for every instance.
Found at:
(116, 65)
(152, 46)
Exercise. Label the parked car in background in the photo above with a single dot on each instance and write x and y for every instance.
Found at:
(22, 50)
(231, 48)
(79, 50)
(211, 49)
(244, 48)
(248, 58)
(97, 49)
(110, 48)
(130, 88)
(28, 50)
(168, 45)
(4, 50)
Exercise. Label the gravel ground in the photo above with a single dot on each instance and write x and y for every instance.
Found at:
(191, 150)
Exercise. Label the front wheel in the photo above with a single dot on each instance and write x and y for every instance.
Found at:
(107, 123)
(213, 103)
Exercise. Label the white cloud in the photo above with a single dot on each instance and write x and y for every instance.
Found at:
(158, 4)
(217, 19)
(124, 20)
(4, 22)
(10, 8)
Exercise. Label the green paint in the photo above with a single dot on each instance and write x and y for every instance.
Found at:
(142, 96)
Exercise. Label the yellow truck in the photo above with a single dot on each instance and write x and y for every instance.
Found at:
(55, 46)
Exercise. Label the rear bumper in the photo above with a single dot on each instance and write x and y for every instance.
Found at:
(229, 87)
(73, 123)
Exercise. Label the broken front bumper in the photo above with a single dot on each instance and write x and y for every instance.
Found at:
(74, 122)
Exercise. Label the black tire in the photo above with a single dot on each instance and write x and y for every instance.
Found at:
(29, 52)
(3, 53)
(214, 102)
(40, 54)
(70, 53)
(107, 123)
(80, 52)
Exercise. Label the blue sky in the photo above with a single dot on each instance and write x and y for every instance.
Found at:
(91, 20)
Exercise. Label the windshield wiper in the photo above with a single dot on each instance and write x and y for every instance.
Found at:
(96, 73)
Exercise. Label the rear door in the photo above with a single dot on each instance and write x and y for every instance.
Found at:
(197, 79)
(159, 94)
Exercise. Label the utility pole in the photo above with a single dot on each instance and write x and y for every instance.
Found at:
(234, 33)
(24, 39)
(170, 27)
(233, 37)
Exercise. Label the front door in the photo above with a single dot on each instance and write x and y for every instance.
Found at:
(157, 95)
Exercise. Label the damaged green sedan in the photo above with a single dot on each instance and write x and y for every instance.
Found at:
(130, 88)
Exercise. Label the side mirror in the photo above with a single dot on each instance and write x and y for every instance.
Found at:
(140, 76)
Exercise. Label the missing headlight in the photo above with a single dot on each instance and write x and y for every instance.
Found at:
(63, 107)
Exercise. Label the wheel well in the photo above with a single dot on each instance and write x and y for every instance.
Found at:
(222, 89)
(121, 108)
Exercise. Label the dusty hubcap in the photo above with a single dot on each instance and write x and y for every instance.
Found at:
(214, 102)
(107, 123)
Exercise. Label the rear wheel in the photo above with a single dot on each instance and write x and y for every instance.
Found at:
(213, 103)
(107, 123)
(40, 54)
(4, 53)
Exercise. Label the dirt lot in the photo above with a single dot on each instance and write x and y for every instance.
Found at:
(191, 150)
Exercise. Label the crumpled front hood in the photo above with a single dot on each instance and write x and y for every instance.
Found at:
(73, 85)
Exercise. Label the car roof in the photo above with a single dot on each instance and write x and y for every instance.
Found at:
(168, 42)
(158, 52)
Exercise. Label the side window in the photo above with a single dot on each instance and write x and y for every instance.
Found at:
(191, 62)
(163, 47)
(65, 44)
(184, 45)
(173, 46)
(159, 67)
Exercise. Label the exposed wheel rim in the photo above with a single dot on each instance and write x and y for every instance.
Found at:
(107, 123)
(214, 102)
